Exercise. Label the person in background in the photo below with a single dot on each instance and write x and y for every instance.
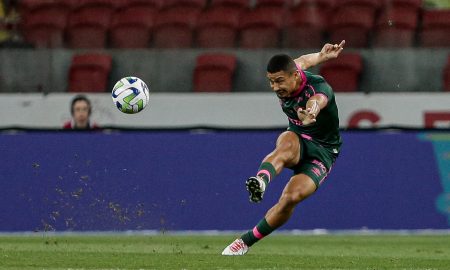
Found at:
(10, 34)
(4, 33)
(437, 4)
(80, 110)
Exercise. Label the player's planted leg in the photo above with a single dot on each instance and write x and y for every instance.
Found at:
(241, 245)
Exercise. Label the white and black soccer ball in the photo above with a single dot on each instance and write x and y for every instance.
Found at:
(130, 95)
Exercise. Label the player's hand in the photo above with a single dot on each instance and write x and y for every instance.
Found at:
(331, 51)
(307, 116)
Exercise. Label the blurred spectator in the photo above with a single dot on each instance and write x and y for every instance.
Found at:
(4, 33)
(10, 36)
(437, 3)
(80, 109)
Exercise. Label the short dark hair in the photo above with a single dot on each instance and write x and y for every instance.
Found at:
(80, 98)
(281, 62)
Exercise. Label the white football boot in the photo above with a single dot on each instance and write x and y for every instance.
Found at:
(256, 187)
(237, 248)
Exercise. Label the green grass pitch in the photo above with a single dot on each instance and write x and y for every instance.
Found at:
(278, 251)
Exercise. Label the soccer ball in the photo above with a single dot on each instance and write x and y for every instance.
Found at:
(130, 94)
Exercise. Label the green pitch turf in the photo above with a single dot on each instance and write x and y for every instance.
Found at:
(203, 252)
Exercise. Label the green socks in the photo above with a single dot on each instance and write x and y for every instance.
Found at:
(259, 231)
(267, 172)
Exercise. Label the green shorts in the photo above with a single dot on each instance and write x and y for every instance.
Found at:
(315, 160)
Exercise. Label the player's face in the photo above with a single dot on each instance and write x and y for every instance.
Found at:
(81, 113)
(283, 83)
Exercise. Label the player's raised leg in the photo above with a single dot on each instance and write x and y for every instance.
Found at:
(285, 154)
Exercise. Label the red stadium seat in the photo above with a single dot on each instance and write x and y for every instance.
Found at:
(435, 28)
(174, 29)
(217, 28)
(259, 29)
(44, 30)
(396, 27)
(446, 76)
(305, 27)
(343, 73)
(354, 25)
(214, 73)
(131, 29)
(89, 24)
(89, 73)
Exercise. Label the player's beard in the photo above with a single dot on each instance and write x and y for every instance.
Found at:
(282, 93)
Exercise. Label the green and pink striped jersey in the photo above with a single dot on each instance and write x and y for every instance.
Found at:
(325, 130)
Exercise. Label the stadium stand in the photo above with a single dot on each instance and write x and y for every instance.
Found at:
(217, 28)
(235, 24)
(89, 72)
(262, 23)
(343, 73)
(435, 28)
(214, 72)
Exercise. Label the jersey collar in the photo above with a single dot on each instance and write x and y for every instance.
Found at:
(303, 76)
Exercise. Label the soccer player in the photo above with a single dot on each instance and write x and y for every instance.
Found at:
(80, 109)
(309, 147)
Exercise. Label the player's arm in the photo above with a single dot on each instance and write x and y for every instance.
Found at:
(329, 51)
(313, 107)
